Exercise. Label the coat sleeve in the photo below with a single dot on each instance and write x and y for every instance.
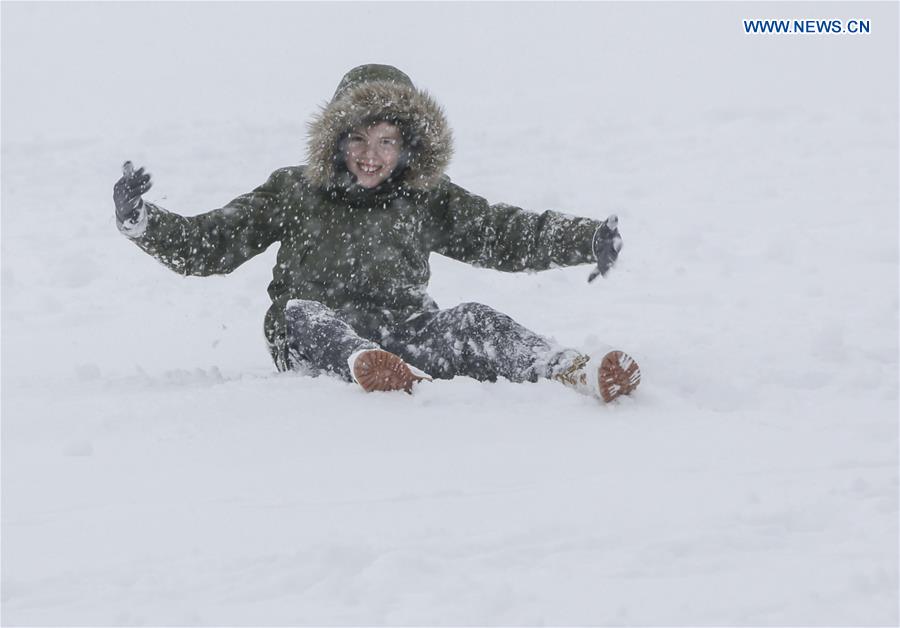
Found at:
(509, 238)
(218, 241)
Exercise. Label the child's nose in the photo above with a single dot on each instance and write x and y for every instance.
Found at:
(370, 149)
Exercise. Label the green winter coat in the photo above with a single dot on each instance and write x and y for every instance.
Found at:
(361, 251)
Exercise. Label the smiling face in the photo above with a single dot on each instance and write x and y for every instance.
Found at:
(372, 153)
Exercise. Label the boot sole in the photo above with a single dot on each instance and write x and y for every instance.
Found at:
(618, 375)
(382, 370)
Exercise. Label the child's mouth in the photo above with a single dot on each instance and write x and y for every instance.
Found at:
(368, 168)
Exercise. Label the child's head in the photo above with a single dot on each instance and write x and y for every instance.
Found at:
(373, 152)
(400, 134)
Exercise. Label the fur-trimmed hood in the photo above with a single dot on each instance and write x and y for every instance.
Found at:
(373, 93)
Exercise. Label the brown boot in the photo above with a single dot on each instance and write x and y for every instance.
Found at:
(618, 374)
(376, 369)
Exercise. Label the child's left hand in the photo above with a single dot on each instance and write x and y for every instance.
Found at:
(606, 246)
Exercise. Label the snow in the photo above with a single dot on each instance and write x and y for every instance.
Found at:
(155, 469)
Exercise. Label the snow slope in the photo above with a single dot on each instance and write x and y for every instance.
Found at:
(156, 471)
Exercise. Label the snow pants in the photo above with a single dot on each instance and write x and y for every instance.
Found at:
(470, 339)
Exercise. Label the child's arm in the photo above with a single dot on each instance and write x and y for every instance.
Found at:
(509, 238)
(216, 242)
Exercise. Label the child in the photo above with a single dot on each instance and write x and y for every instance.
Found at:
(356, 227)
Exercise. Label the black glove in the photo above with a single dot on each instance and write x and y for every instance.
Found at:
(127, 192)
(606, 246)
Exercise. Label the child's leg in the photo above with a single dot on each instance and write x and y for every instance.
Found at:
(477, 341)
(318, 340)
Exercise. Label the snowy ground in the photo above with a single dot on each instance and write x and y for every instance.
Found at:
(157, 471)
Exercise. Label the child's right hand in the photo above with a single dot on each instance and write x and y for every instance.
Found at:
(128, 190)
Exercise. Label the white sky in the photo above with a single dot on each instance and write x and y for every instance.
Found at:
(76, 70)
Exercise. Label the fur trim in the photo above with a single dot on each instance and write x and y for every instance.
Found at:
(422, 122)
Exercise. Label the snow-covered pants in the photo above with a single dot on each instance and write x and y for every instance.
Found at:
(470, 339)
